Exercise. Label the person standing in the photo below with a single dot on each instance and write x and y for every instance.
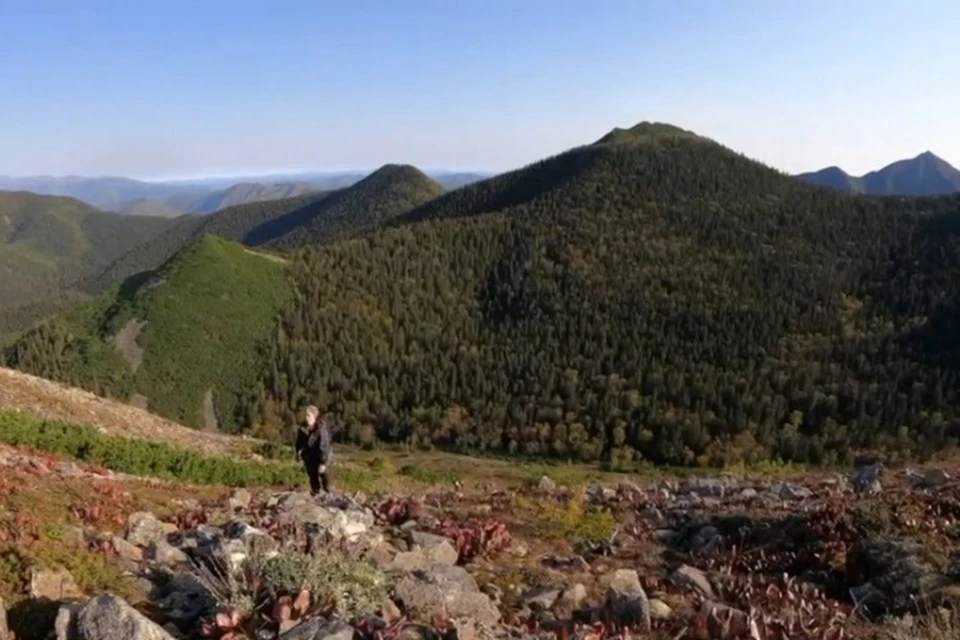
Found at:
(314, 448)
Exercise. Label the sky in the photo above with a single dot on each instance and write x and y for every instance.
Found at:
(177, 89)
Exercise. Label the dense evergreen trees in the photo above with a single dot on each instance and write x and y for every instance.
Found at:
(653, 296)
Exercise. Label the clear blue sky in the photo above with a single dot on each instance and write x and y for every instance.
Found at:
(177, 88)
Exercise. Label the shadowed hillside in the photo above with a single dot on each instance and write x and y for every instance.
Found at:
(48, 242)
(378, 198)
(923, 175)
(182, 339)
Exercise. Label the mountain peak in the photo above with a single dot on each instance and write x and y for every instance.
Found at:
(645, 131)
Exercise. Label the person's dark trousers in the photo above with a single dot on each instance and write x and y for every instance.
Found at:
(317, 479)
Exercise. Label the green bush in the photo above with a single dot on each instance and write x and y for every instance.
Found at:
(357, 587)
(140, 457)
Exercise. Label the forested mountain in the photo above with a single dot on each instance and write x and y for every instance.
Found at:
(48, 242)
(181, 340)
(383, 195)
(924, 175)
(232, 223)
(651, 296)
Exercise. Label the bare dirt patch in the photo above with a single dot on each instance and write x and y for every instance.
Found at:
(126, 342)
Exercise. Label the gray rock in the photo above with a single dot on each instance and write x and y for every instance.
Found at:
(705, 540)
(65, 626)
(930, 478)
(703, 487)
(866, 479)
(4, 629)
(905, 572)
(108, 617)
(542, 597)
(256, 541)
(53, 585)
(239, 500)
(446, 588)
(127, 550)
(626, 602)
(319, 629)
(144, 528)
(659, 610)
(424, 558)
(747, 494)
(166, 554)
(570, 600)
(546, 485)
(692, 578)
(349, 524)
(788, 491)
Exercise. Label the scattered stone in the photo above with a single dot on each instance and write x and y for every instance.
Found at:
(546, 485)
(65, 626)
(108, 617)
(626, 602)
(693, 578)
(53, 585)
(866, 480)
(930, 478)
(542, 597)
(126, 550)
(659, 610)
(446, 588)
(4, 629)
(570, 600)
(421, 558)
(239, 500)
(706, 540)
(905, 572)
(144, 528)
(319, 629)
(256, 541)
(166, 554)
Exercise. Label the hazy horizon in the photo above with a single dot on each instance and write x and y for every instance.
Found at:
(193, 91)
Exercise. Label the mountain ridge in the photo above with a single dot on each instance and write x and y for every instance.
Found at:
(925, 174)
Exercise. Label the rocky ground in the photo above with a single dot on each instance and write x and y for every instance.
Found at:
(824, 557)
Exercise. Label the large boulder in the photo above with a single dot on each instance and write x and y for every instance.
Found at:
(4, 629)
(449, 589)
(626, 602)
(893, 575)
(319, 629)
(108, 617)
(143, 528)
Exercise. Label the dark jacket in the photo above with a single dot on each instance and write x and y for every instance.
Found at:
(314, 447)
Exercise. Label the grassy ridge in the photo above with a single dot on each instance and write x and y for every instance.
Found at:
(205, 313)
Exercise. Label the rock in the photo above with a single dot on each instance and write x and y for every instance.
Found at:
(446, 588)
(424, 558)
(65, 626)
(626, 602)
(866, 479)
(659, 610)
(53, 585)
(144, 528)
(166, 554)
(126, 550)
(319, 629)
(703, 487)
(600, 494)
(239, 500)
(706, 540)
(546, 485)
(570, 600)
(75, 536)
(747, 494)
(905, 572)
(692, 578)
(930, 478)
(108, 617)
(576, 563)
(787, 491)
(173, 630)
(542, 597)
(256, 541)
(4, 629)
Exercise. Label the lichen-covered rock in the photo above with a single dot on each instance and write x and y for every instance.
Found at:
(56, 585)
(902, 574)
(446, 588)
(143, 528)
(108, 617)
(319, 629)
(626, 602)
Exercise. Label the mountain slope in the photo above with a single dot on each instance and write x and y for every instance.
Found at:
(923, 175)
(652, 295)
(232, 223)
(108, 193)
(384, 194)
(184, 337)
(245, 193)
(47, 243)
